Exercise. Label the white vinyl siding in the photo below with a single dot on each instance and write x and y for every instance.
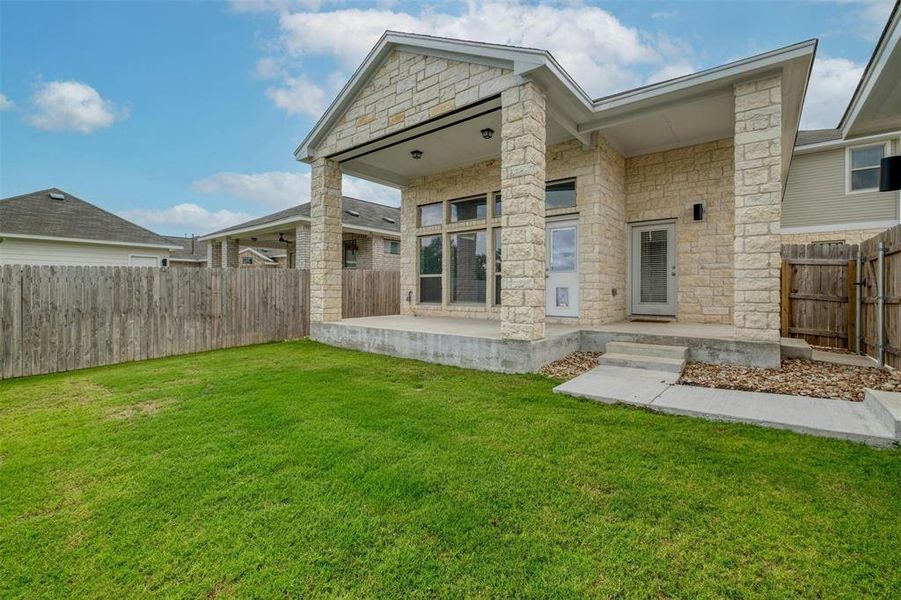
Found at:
(42, 252)
(815, 194)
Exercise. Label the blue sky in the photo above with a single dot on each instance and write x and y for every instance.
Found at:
(183, 116)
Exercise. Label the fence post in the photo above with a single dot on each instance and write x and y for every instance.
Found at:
(852, 308)
(880, 306)
(785, 308)
(858, 292)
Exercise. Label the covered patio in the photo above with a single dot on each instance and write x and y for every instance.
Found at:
(534, 218)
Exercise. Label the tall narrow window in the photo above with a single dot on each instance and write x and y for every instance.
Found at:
(560, 194)
(864, 167)
(497, 265)
(430, 269)
(469, 266)
(430, 214)
(498, 207)
(350, 254)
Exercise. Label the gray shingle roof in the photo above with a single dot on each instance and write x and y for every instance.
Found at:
(39, 214)
(186, 253)
(816, 136)
(371, 215)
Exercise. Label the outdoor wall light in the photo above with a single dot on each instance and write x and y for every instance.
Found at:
(487, 133)
(890, 174)
(416, 154)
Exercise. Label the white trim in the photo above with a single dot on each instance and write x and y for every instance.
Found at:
(51, 238)
(231, 233)
(839, 227)
(158, 259)
(840, 143)
(886, 151)
(255, 251)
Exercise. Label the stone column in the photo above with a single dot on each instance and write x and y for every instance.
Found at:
(214, 255)
(302, 246)
(523, 140)
(409, 251)
(230, 253)
(758, 208)
(325, 241)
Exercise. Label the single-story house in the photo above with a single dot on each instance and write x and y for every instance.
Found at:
(192, 254)
(53, 227)
(259, 257)
(530, 205)
(370, 237)
(832, 193)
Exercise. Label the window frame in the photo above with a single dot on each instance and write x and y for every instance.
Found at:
(572, 180)
(450, 208)
(441, 218)
(390, 244)
(348, 244)
(849, 169)
(420, 275)
(450, 275)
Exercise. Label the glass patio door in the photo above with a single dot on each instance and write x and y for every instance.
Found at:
(654, 269)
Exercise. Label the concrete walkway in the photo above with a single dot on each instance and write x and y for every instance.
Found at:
(873, 422)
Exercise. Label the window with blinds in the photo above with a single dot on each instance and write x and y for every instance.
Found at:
(653, 266)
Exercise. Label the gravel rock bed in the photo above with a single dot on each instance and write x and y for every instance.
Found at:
(797, 377)
(571, 365)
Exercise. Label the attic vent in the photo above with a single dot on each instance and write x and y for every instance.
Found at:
(57, 196)
(388, 220)
(352, 213)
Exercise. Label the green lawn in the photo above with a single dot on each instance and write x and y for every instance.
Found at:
(297, 469)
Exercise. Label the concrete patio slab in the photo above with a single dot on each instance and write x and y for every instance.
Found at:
(838, 358)
(815, 416)
(866, 422)
(612, 384)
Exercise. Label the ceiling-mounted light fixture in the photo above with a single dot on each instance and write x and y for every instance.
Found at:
(416, 154)
(488, 133)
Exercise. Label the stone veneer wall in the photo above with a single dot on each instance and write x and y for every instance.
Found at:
(410, 88)
(758, 208)
(665, 185)
(382, 260)
(850, 236)
(600, 208)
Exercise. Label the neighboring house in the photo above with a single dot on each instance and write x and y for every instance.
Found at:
(526, 201)
(256, 257)
(53, 227)
(192, 254)
(370, 238)
(833, 185)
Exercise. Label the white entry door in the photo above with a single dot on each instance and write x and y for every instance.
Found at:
(562, 285)
(654, 269)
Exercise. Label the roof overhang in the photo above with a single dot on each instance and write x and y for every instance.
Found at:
(843, 143)
(876, 103)
(50, 238)
(282, 225)
(680, 112)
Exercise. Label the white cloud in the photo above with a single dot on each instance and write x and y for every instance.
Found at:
(281, 189)
(6, 103)
(72, 106)
(184, 218)
(873, 15)
(300, 96)
(832, 82)
(603, 54)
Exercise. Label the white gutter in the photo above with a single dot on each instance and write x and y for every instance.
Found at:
(841, 142)
(50, 238)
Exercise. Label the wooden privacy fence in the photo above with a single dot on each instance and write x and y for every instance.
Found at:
(370, 293)
(846, 296)
(62, 318)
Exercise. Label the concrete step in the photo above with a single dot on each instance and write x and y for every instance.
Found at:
(886, 407)
(657, 350)
(637, 361)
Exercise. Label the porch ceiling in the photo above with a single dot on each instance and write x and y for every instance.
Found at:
(445, 145)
